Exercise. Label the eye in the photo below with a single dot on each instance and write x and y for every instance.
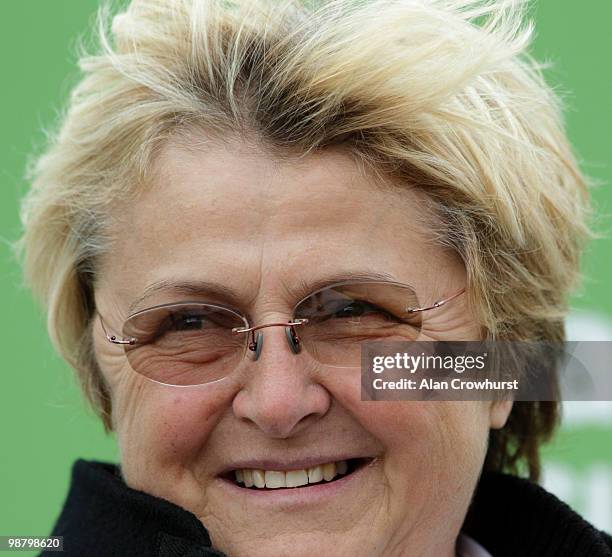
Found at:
(193, 323)
(198, 320)
(186, 322)
(359, 308)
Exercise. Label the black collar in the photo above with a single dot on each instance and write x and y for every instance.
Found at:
(512, 516)
(103, 517)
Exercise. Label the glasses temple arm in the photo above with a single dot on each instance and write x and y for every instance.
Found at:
(113, 338)
(436, 304)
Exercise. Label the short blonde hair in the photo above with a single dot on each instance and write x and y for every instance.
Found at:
(439, 94)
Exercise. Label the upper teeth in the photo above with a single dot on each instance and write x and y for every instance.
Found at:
(273, 479)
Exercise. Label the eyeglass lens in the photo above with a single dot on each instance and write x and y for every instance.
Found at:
(193, 343)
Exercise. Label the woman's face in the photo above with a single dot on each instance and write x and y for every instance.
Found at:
(238, 219)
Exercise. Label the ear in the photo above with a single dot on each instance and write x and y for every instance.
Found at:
(499, 412)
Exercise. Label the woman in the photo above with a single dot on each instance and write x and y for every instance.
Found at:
(235, 182)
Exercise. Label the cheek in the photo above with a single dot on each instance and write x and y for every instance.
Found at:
(435, 452)
(163, 431)
(452, 434)
(431, 450)
(158, 427)
(418, 435)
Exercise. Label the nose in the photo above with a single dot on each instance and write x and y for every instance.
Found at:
(280, 393)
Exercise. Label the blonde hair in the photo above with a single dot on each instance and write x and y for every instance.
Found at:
(439, 94)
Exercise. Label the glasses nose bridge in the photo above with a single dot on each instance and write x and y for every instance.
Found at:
(257, 337)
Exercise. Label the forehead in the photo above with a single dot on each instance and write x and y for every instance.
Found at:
(235, 184)
(240, 217)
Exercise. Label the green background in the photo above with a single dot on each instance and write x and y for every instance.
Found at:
(44, 424)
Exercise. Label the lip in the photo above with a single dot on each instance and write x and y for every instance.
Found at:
(287, 465)
(295, 497)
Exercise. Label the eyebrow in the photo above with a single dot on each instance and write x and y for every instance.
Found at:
(187, 288)
(224, 294)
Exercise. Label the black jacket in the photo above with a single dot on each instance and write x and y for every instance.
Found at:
(103, 517)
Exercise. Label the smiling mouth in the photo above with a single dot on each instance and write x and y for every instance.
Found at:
(257, 479)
